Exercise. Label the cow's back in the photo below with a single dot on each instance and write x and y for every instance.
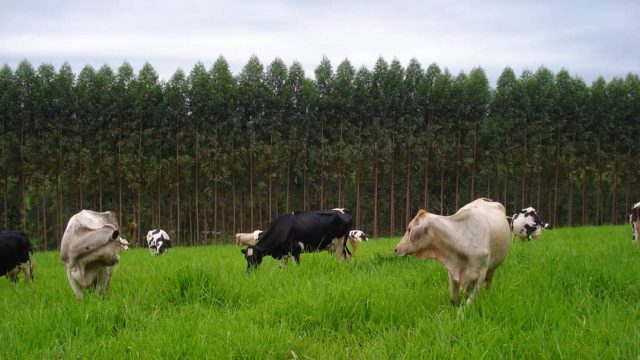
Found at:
(499, 230)
(14, 250)
(82, 234)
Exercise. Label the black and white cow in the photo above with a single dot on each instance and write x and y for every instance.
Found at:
(14, 255)
(634, 219)
(306, 231)
(158, 241)
(527, 224)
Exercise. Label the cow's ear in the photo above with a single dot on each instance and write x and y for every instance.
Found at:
(244, 251)
(115, 234)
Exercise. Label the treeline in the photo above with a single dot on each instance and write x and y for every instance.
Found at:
(209, 153)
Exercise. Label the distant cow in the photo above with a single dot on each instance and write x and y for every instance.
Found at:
(355, 236)
(14, 255)
(471, 243)
(90, 249)
(248, 238)
(634, 219)
(158, 241)
(294, 233)
(527, 224)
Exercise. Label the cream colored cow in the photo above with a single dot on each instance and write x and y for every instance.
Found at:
(471, 243)
(90, 250)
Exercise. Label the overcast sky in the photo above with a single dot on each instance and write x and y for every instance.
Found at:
(588, 38)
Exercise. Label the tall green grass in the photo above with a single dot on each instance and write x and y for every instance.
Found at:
(575, 293)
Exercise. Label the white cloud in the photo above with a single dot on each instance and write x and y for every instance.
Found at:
(589, 39)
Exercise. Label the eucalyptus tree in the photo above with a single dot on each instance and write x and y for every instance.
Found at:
(8, 123)
(65, 111)
(200, 118)
(364, 112)
(569, 119)
(441, 97)
(251, 102)
(300, 93)
(324, 84)
(342, 123)
(598, 111)
(504, 115)
(477, 99)
(147, 92)
(222, 143)
(428, 102)
(123, 128)
(25, 77)
(541, 95)
(176, 110)
(617, 132)
(273, 130)
(411, 123)
(39, 168)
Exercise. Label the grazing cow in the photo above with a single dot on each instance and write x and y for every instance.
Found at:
(471, 243)
(158, 241)
(90, 249)
(355, 236)
(634, 219)
(14, 255)
(527, 224)
(293, 233)
(248, 238)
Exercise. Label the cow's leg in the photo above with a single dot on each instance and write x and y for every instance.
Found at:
(26, 267)
(13, 274)
(354, 244)
(489, 278)
(103, 280)
(476, 285)
(75, 286)
(454, 290)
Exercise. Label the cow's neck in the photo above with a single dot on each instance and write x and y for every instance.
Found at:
(449, 253)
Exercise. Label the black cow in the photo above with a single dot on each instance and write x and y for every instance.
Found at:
(305, 231)
(14, 255)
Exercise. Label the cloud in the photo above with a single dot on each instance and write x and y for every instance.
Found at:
(588, 38)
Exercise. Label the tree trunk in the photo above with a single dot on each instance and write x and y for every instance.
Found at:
(407, 194)
(392, 213)
(197, 183)
(458, 170)
(178, 190)
(473, 164)
(375, 194)
(426, 177)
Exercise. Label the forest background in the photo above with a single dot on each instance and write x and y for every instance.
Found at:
(208, 153)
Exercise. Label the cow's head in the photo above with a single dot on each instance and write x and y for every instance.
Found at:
(418, 236)
(253, 257)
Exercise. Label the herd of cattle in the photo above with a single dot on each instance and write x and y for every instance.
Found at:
(470, 244)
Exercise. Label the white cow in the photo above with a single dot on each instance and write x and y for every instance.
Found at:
(471, 243)
(527, 224)
(158, 241)
(90, 250)
(634, 219)
(248, 238)
(355, 236)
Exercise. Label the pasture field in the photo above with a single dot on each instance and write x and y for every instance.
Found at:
(573, 294)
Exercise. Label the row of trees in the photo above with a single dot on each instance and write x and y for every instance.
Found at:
(209, 153)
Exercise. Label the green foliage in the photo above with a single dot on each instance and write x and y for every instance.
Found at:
(209, 152)
(573, 293)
